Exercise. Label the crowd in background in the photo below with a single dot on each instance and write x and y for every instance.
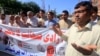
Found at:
(42, 19)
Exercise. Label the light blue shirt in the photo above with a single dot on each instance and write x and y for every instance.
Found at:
(50, 23)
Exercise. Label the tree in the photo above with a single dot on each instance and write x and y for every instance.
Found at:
(10, 6)
(30, 6)
(14, 6)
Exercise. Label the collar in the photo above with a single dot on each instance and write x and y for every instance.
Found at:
(88, 26)
(96, 20)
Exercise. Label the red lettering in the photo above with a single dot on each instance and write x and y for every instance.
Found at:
(32, 35)
(13, 33)
(18, 34)
(8, 32)
(25, 35)
(52, 38)
(47, 38)
(38, 37)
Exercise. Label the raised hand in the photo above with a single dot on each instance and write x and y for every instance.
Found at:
(57, 29)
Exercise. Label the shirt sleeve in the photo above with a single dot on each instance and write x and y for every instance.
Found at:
(93, 54)
(65, 35)
(97, 51)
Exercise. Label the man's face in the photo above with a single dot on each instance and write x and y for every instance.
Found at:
(49, 16)
(81, 15)
(2, 17)
(94, 16)
(41, 14)
(64, 16)
(30, 15)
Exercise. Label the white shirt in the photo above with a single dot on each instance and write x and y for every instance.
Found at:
(33, 21)
(3, 22)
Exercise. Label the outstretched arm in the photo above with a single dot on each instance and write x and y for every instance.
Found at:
(87, 50)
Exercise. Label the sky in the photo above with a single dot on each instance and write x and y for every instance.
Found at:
(58, 5)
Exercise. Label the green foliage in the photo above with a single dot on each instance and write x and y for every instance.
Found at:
(14, 6)
(30, 6)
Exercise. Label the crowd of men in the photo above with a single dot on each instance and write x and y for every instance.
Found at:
(41, 19)
(83, 37)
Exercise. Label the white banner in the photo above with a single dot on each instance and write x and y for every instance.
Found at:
(30, 41)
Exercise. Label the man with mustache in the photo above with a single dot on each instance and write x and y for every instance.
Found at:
(83, 37)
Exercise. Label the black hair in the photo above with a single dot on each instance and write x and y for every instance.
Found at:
(42, 10)
(23, 12)
(87, 4)
(3, 14)
(65, 11)
(51, 13)
(95, 9)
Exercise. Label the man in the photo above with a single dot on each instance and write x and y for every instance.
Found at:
(3, 19)
(83, 37)
(41, 18)
(64, 22)
(50, 20)
(31, 21)
(94, 16)
(23, 18)
(11, 20)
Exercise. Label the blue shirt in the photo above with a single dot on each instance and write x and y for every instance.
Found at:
(50, 23)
